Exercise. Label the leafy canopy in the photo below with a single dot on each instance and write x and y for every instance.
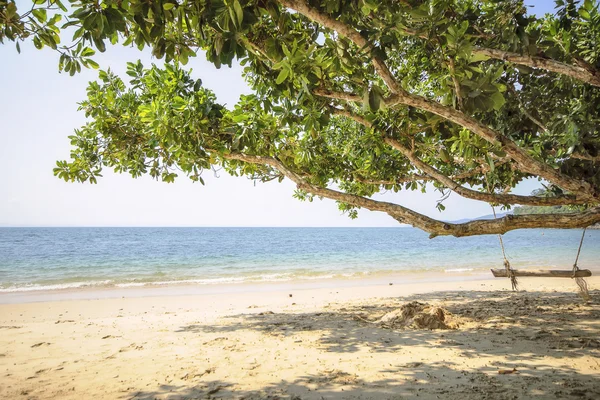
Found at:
(471, 95)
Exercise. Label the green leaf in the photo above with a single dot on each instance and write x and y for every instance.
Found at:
(491, 163)
(87, 52)
(37, 43)
(183, 58)
(60, 5)
(92, 63)
(239, 12)
(283, 74)
(56, 18)
(40, 14)
(478, 57)
(11, 10)
(444, 156)
(498, 100)
(376, 99)
(585, 15)
(100, 45)
(168, 6)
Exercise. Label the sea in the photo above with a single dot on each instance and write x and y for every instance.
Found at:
(52, 259)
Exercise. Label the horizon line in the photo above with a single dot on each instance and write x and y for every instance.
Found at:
(195, 226)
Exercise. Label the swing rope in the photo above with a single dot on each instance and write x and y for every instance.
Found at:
(509, 271)
(581, 283)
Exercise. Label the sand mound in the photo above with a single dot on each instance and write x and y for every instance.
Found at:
(417, 315)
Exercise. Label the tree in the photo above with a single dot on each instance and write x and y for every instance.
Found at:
(350, 98)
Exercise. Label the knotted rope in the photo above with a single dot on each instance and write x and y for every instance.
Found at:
(581, 283)
(509, 271)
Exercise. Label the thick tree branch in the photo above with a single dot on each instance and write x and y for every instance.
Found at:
(511, 222)
(350, 33)
(587, 157)
(457, 187)
(581, 189)
(434, 227)
(526, 162)
(583, 72)
(474, 194)
(548, 64)
(395, 210)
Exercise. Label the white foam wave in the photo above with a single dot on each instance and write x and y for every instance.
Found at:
(183, 282)
(58, 286)
(459, 270)
(262, 278)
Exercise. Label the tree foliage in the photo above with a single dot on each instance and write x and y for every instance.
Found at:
(349, 98)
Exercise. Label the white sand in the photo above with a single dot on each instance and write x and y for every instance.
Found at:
(267, 345)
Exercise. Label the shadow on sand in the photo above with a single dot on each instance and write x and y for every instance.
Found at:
(522, 329)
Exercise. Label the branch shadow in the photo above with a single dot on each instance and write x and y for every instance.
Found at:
(555, 325)
(509, 316)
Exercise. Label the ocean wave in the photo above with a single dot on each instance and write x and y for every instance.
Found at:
(459, 269)
(207, 281)
(31, 287)
(133, 283)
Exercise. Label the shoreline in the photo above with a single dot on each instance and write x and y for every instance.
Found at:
(186, 289)
(413, 282)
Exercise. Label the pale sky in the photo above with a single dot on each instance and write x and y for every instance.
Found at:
(38, 110)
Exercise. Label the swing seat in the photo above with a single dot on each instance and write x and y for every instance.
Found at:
(549, 273)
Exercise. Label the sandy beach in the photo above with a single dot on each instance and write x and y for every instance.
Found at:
(308, 343)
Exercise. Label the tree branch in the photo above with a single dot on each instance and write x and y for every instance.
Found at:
(434, 227)
(587, 157)
(457, 187)
(350, 33)
(526, 162)
(512, 222)
(452, 69)
(583, 190)
(582, 72)
(548, 64)
(400, 96)
(396, 211)
(474, 194)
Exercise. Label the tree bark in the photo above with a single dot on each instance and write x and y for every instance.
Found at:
(581, 189)
(352, 34)
(527, 163)
(477, 195)
(458, 188)
(587, 75)
(547, 64)
(433, 226)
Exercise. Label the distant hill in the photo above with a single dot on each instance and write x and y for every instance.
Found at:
(488, 216)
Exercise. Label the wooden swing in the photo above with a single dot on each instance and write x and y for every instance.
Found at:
(574, 273)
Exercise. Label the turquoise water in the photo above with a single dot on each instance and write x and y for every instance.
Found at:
(59, 258)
